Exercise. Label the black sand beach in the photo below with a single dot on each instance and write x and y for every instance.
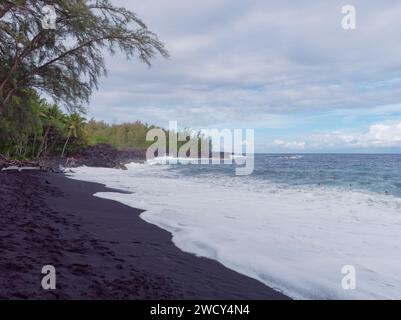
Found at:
(101, 249)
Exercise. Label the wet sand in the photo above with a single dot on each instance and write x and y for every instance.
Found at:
(101, 249)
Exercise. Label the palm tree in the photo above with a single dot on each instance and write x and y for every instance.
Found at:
(75, 123)
(53, 119)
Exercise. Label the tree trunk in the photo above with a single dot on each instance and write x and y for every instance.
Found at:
(65, 145)
(33, 146)
(43, 142)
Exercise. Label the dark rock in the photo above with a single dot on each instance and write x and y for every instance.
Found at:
(100, 155)
(106, 156)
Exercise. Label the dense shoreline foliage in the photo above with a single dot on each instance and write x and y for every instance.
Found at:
(32, 129)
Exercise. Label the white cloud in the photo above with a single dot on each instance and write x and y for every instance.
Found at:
(290, 145)
(377, 136)
(250, 59)
(385, 135)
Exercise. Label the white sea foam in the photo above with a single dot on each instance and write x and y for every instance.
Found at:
(293, 239)
(167, 159)
(294, 157)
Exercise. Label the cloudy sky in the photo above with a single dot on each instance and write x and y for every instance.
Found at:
(284, 68)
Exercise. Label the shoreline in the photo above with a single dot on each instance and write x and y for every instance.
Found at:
(101, 249)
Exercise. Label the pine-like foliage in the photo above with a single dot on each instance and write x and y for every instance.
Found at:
(66, 63)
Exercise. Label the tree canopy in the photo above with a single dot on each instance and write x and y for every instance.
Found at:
(66, 62)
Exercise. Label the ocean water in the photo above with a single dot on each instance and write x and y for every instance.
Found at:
(293, 224)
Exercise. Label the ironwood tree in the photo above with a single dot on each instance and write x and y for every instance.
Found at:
(66, 62)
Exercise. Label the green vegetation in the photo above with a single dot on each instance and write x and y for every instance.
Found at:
(120, 136)
(32, 128)
(65, 64)
(67, 61)
(133, 135)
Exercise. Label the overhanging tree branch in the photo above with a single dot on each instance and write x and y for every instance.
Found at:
(85, 28)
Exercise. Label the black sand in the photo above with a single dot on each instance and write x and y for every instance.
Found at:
(101, 249)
